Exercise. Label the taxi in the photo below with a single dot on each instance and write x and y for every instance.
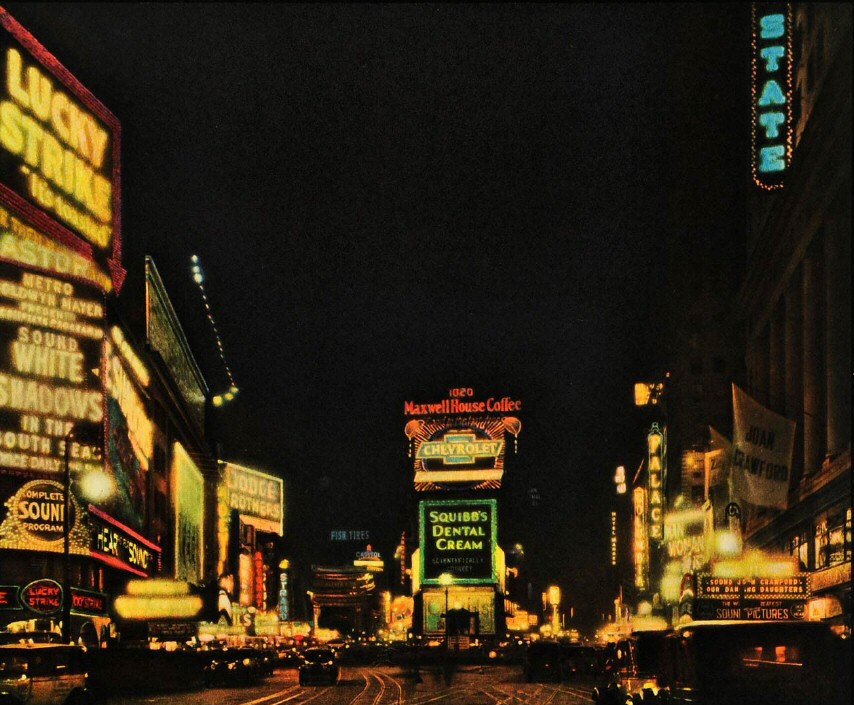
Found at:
(43, 674)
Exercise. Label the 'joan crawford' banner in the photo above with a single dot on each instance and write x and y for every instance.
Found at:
(459, 537)
(762, 447)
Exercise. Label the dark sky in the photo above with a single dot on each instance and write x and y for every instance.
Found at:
(390, 201)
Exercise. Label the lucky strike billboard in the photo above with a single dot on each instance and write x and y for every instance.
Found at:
(458, 537)
(59, 153)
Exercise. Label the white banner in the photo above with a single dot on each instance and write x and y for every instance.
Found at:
(762, 447)
(716, 460)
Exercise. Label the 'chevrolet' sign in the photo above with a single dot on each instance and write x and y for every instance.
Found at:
(459, 449)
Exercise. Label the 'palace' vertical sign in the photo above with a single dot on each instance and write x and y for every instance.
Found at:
(771, 94)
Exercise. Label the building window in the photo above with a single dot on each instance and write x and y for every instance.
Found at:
(800, 549)
(833, 538)
(697, 366)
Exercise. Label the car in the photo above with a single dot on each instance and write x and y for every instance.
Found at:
(579, 661)
(230, 666)
(319, 665)
(543, 662)
(43, 674)
(39, 637)
(763, 662)
(631, 669)
(287, 656)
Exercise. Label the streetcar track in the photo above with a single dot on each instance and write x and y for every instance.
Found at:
(379, 696)
(364, 690)
(268, 697)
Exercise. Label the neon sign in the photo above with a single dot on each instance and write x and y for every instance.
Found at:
(120, 546)
(51, 335)
(771, 93)
(62, 150)
(36, 516)
(656, 447)
(24, 244)
(458, 452)
(641, 538)
(42, 596)
(459, 449)
(187, 489)
(459, 537)
(257, 496)
(751, 598)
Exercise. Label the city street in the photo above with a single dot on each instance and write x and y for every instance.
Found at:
(385, 685)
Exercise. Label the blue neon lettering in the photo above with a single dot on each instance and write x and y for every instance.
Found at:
(772, 26)
(771, 121)
(771, 158)
(771, 56)
(772, 94)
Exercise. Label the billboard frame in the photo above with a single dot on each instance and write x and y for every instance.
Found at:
(422, 507)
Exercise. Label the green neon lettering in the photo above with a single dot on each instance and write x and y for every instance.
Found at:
(771, 122)
(772, 26)
(772, 158)
(772, 55)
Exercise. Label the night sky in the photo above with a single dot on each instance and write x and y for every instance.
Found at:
(391, 201)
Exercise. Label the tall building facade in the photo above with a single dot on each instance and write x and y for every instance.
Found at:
(795, 302)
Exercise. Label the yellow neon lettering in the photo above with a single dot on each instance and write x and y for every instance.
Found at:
(11, 135)
(13, 77)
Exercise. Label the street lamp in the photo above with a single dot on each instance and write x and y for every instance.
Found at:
(66, 543)
(446, 579)
(95, 486)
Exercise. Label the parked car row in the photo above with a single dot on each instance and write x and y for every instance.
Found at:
(714, 663)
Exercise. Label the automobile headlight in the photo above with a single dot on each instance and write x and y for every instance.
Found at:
(247, 662)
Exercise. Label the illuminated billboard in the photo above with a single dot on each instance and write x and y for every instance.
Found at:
(166, 337)
(32, 517)
(685, 536)
(460, 538)
(59, 151)
(51, 337)
(466, 452)
(130, 432)
(23, 243)
(751, 598)
(257, 496)
(188, 489)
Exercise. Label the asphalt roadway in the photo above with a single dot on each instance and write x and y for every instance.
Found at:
(385, 685)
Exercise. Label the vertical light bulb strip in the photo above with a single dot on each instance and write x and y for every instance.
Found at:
(199, 278)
